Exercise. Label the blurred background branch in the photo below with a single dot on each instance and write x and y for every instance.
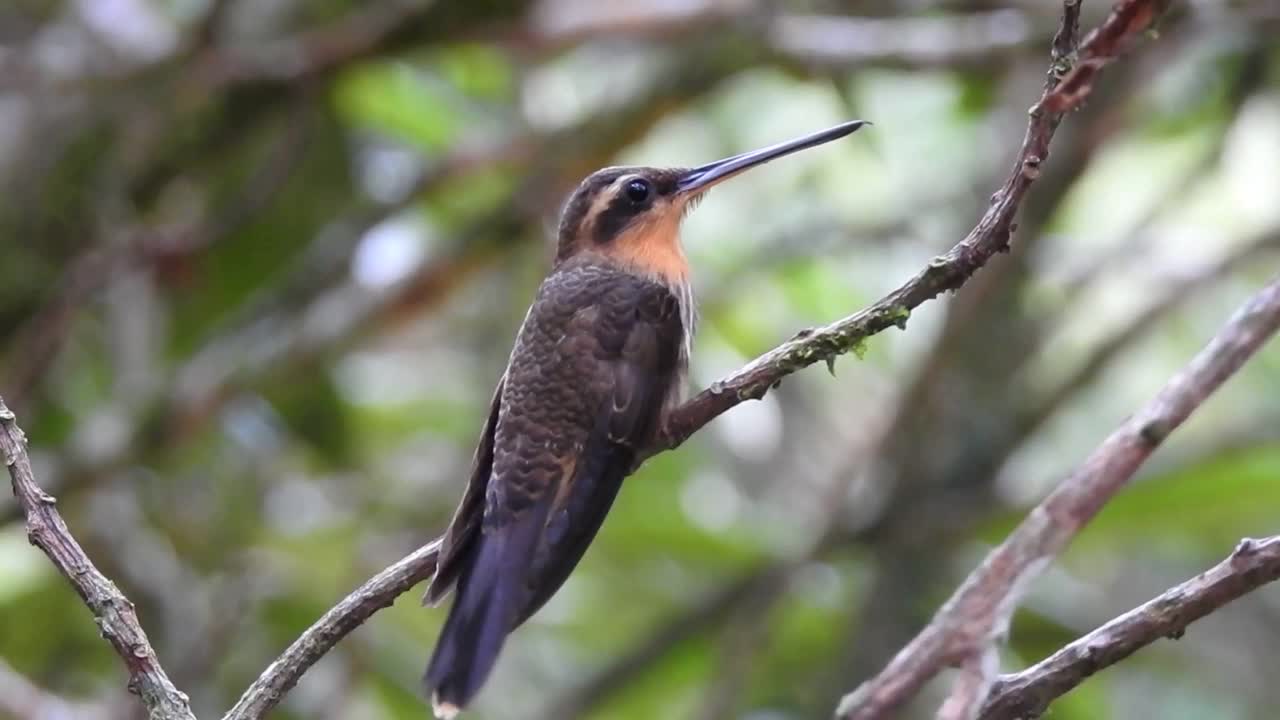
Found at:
(19, 698)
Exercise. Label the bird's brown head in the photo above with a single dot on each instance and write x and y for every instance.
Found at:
(631, 215)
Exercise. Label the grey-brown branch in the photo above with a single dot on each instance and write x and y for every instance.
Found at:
(978, 613)
(377, 592)
(1254, 563)
(113, 612)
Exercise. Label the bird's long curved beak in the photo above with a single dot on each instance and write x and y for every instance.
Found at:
(703, 177)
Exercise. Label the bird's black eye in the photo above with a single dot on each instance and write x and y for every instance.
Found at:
(638, 190)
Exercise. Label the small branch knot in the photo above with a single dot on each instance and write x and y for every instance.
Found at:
(1154, 432)
(1031, 167)
(850, 703)
(1246, 548)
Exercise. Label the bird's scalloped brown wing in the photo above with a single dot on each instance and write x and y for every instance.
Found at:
(591, 370)
(466, 519)
(632, 338)
(594, 363)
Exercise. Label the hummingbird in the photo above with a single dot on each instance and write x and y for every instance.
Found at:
(599, 360)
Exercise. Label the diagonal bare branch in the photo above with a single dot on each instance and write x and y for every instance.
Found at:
(378, 592)
(979, 611)
(1028, 693)
(113, 612)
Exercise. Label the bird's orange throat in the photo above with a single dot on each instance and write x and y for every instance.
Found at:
(653, 248)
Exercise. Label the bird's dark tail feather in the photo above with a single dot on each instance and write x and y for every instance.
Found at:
(491, 591)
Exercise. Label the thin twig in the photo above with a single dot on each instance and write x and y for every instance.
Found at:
(1128, 21)
(378, 592)
(980, 610)
(1028, 693)
(1024, 694)
(977, 675)
(113, 612)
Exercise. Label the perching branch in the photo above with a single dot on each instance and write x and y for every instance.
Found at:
(1254, 563)
(113, 612)
(979, 611)
(378, 592)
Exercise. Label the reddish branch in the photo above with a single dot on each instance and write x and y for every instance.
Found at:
(979, 611)
(113, 612)
(1028, 693)
(1129, 19)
